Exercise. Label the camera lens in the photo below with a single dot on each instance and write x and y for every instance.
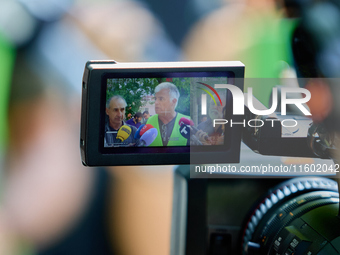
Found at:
(296, 217)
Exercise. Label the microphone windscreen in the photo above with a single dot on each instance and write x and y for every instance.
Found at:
(137, 134)
(185, 121)
(149, 136)
(145, 128)
(123, 133)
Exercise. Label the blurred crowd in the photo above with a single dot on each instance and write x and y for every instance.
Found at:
(50, 203)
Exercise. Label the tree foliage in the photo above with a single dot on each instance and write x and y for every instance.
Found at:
(133, 90)
(183, 85)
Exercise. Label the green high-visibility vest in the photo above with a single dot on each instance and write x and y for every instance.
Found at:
(176, 139)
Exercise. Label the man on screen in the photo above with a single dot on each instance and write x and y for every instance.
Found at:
(166, 119)
(146, 116)
(115, 110)
(136, 120)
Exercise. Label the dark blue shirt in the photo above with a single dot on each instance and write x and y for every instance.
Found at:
(131, 122)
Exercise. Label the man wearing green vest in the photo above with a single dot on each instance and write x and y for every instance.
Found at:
(166, 119)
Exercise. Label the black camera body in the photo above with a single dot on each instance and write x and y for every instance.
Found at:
(222, 214)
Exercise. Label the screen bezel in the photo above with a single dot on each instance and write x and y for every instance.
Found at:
(91, 132)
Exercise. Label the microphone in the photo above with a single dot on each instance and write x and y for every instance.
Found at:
(123, 133)
(186, 121)
(148, 137)
(185, 132)
(145, 128)
(137, 134)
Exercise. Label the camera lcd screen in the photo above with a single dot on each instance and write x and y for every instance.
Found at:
(175, 111)
(160, 113)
